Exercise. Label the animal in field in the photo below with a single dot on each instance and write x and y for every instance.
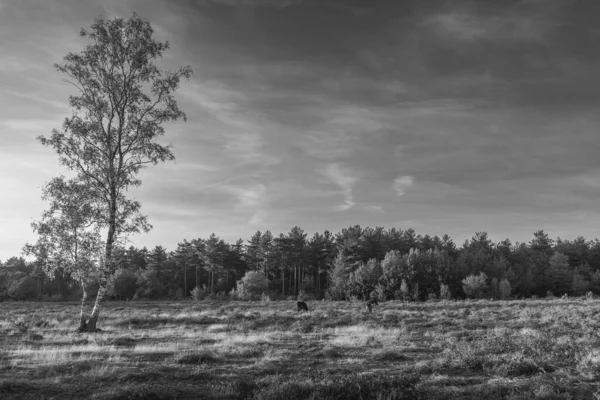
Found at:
(371, 303)
(302, 306)
(589, 295)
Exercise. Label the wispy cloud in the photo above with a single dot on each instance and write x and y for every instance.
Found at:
(375, 209)
(36, 125)
(342, 177)
(510, 25)
(243, 129)
(38, 99)
(401, 184)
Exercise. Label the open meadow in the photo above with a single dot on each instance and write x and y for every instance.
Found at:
(267, 350)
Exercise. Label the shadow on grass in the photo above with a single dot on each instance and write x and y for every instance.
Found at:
(148, 322)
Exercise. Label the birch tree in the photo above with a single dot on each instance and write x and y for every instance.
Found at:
(68, 237)
(122, 101)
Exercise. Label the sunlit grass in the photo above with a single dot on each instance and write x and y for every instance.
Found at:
(463, 349)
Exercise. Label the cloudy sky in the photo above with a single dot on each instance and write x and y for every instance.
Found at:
(447, 117)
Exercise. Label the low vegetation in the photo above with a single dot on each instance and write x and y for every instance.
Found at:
(471, 349)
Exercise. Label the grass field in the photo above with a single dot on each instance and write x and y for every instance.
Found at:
(236, 350)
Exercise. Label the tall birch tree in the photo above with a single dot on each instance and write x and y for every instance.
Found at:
(122, 101)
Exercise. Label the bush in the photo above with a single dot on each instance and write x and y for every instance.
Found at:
(580, 285)
(379, 293)
(474, 285)
(251, 286)
(199, 293)
(445, 292)
(149, 285)
(416, 294)
(495, 288)
(265, 297)
(404, 292)
(24, 288)
(504, 289)
(122, 284)
(223, 296)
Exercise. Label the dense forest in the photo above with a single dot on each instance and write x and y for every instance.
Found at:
(355, 263)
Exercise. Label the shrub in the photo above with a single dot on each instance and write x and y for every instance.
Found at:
(122, 284)
(404, 290)
(379, 293)
(495, 288)
(234, 295)
(416, 294)
(24, 288)
(363, 280)
(149, 285)
(199, 293)
(504, 289)
(223, 296)
(445, 292)
(265, 297)
(474, 285)
(251, 286)
(579, 285)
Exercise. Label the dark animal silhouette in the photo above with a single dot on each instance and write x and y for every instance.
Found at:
(302, 306)
(371, 303)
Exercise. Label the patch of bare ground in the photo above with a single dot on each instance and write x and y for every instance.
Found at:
(236, 350)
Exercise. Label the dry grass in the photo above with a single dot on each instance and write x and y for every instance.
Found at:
(472, 349)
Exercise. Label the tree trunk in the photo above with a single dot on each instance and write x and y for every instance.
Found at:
(90, 326)
(41, 287)
(82, 319)
(283, 281)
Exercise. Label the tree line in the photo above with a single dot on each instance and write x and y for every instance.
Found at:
(356, 263)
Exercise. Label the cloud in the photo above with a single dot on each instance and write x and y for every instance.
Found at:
(242, 129)
(249, 196)
(345, 181)
(40, 100)
(375, 209)
(37, 125)
(461, 26)
(402, 183)
(509, 25)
